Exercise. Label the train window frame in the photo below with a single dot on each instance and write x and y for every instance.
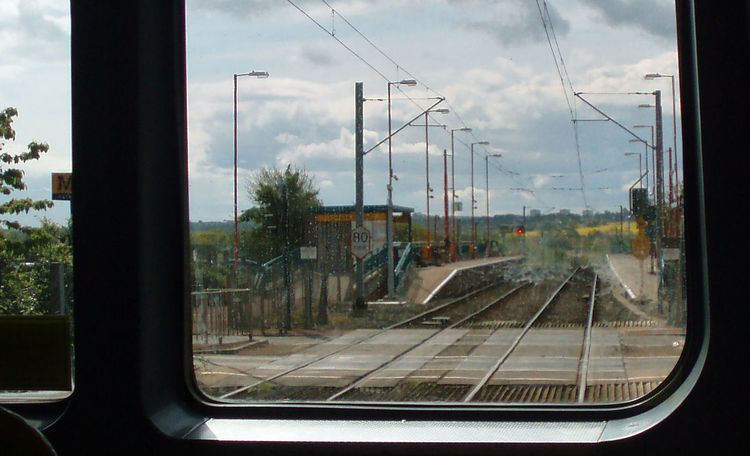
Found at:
(155, 360)
(670, 384)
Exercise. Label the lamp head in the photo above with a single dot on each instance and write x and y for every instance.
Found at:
(257, 74)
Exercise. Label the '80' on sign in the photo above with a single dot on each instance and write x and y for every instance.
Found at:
(361, 239)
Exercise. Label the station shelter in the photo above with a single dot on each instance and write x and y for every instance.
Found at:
(332, 228)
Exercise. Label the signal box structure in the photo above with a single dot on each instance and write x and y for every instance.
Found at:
(638, 201)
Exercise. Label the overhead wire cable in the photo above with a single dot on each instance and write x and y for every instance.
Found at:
(398, 68)
(333, 35)
(384, 54)
(571, 109)
(559, 53)
(397, 65)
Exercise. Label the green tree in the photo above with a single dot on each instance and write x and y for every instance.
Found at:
(212, 251)
(25, 252)
(25, 259)
(11, 178)
(283, 200)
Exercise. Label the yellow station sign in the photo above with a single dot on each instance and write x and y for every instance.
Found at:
(62, 186)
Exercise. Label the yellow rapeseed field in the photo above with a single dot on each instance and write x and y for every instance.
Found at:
(609, 228)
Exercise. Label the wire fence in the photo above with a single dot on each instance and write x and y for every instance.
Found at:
(219, 313)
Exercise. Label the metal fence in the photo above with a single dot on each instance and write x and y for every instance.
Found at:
(218, 313)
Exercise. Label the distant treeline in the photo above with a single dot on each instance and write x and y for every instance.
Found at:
(227, 226)
(510, 221)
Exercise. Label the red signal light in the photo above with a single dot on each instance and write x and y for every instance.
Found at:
(520, 230)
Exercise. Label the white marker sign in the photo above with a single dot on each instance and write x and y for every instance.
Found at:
(308, 253)
(361, 241)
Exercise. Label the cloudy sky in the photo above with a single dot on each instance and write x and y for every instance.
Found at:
(490, 59)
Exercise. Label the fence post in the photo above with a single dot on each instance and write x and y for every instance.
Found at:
(204, 312)
(308, 295)
(249, 313)
(263, 294)
(323, 302)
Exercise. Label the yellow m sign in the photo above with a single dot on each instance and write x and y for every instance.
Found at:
(62, 186)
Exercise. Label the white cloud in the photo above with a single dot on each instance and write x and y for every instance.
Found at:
(506, 89)
(296, 151)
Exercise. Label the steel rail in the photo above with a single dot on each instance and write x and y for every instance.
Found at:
(368, 376)
(345, 347)
(583, 363)
(517, 340)
(487, 307)
(455, 302)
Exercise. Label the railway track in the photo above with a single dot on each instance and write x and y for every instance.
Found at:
(444, 310)
(461, 328)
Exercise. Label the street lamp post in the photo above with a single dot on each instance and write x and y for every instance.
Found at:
(487, 201)
(258, 74)
(473, 245)
(390, 280)
(454, 244)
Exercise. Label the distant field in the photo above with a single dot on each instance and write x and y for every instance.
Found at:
(609, 228)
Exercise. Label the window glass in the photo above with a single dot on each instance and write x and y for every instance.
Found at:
(435, 201)
(36, 258)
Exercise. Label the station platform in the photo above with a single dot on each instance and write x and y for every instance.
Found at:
(635, 276)
(430, 280)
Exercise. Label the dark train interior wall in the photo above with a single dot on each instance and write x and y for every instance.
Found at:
(129, 146)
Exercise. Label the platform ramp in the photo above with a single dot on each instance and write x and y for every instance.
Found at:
(427, 283)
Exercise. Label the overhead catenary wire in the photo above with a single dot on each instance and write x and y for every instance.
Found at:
(559, 54)
(547, 19)
(333, 35)
(399, 67)
(554, 56)
(396, 64)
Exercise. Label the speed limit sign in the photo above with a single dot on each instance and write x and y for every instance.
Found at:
(361, 241)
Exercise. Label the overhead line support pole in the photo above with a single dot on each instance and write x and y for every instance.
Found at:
(487, 187)
(391, 134)
(427, 176)
(236, 227)
(390, 280)
(578, 94)
(454, 244)
(659, 182)
(359, 303)
(445, 202)
(473, 246)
